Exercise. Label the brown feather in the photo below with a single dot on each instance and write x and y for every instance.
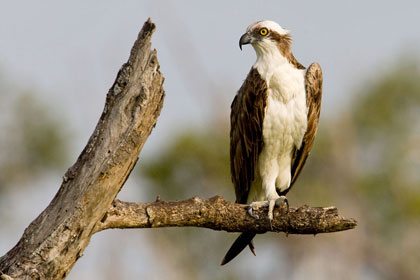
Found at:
(246, 138)
(284, 42)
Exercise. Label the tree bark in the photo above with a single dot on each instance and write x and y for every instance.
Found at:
(54, 241)
(218, 214)
(85, 202)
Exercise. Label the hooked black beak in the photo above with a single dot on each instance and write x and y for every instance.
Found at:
(245, 39)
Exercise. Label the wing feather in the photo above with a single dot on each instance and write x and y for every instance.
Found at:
(313, 87)
(246, 138)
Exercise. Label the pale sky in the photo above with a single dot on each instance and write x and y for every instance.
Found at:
(73, 50)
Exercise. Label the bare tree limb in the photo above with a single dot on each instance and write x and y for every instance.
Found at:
(218, 214)
(54, 241)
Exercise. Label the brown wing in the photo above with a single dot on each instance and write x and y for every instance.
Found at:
(246, 139)
(313, 87)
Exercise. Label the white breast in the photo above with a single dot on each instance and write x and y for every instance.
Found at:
(284, 126)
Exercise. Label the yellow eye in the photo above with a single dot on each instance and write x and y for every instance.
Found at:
(263, 31)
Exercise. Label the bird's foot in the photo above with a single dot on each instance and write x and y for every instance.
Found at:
(282, 201)
(255, 206)
(279, 202)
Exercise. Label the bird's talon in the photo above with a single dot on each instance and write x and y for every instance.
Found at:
(281, 201)
(249, 210)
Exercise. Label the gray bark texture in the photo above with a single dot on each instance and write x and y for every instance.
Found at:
(54, 241)
(86, 204)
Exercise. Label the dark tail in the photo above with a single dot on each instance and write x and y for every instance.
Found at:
(240, 243)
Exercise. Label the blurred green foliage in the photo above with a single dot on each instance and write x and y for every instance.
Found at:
(34, 139)
(366, 161)
(386, 118)
(195, 163)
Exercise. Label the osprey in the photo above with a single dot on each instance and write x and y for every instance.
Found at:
(274, 119)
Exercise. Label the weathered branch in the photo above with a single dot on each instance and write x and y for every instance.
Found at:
(54, 241)
(218, 214)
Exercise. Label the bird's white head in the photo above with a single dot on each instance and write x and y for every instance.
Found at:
(267, 37)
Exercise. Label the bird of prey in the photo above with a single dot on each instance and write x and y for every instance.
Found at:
(274, 119)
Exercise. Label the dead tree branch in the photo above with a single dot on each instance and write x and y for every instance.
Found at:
(218, 214)
(54, 241)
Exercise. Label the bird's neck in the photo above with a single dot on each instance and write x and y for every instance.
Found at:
(268, 60)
